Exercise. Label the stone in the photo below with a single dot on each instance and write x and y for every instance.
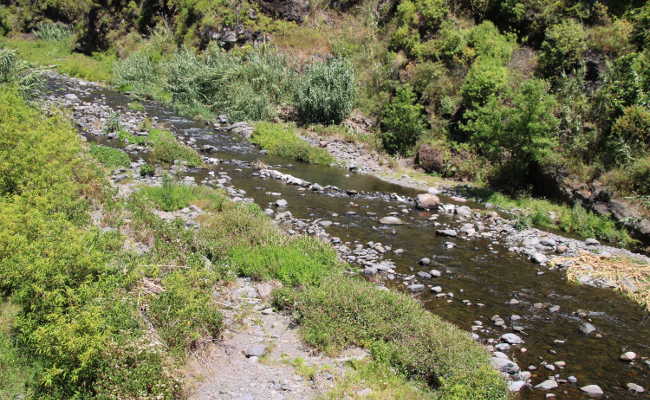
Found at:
(281, 203)
(431, 159)
(592, 242)
(539, 258)
(424, 261)
(587, 328)
(516, 386)
(633, 387)
(427, 201)
(547, 385)
(416, 287)
(369, 271)
(424, 275)
(502, 347)
(628, 356)
(447, 232)
(390, 220)
(256, 350)
(512, 338)
(291, 10)
(504, 365)
(436, 289)
(572, 379)
(592, 390)
(435, 273)
(464, 211)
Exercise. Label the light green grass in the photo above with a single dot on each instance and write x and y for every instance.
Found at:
(165, 148)
(283, 141)
(172, 196)
(15, 374)
(110, 157)
(59, 54)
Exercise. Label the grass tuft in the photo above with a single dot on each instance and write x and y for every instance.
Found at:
(110, 157)
(283, 141)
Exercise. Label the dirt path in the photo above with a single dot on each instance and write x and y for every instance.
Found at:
(261, 355)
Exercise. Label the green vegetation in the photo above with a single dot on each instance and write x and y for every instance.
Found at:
(164, 147)
(282, 140)
(342, 312)
(402, 122)
(326, 92)
(15, 371)
(173, 196)
(15, 71)
(110, 157)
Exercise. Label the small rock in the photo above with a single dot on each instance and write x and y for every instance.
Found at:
(427, 201)
(547, 385)
(281, 203)
(592, 390)
(592, 242)
(587, 328)
(435, 273)
(447, 232)
(424, 261)
(424, 275)
(516, 386)
(628, 356)
(256, 350)
(504, 365)
(390, 220)
(633, 387)
(512, 338)
(436, 289)
(416, 287)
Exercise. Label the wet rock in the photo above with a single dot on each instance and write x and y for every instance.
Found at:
(416, 287)
(504, 365)
(369, 271)
(587, 328)
(427, 201)
(512, 338)
(502, 347)
(592, 390)
(424, 275)
(548, 384)
(281, 203)
(539, 258)
(628, 356)
(435, 273)
(464, 211)
(436, 289)
(424, 261)
(71, 97)
(592, 242)
(391, 220)
(572, 379)
(516, 386)
(447, 232)
(633, 387)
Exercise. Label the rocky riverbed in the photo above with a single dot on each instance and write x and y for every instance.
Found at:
(464, 261)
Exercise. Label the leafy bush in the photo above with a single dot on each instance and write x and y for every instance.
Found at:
(110, 157)
(402, 122)
(613, 39)
(304, 261)
(326, 92)
(487, 77)
(630, 136)
(183, 312)
(563, 47)
(522, 131)
(344, 312)
(16, 72)
(282, 140)
(632, 179)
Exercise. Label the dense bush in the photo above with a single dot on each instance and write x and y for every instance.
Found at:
(486, 78)
(16, 72)
(523, 130)
(563, 47)
(110, 157)
(402, 122)
(326, 92)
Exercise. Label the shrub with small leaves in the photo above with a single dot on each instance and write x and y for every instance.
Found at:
(402, 122)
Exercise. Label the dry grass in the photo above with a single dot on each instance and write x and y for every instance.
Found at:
(621, 271)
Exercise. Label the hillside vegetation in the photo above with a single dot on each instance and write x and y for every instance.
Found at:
(522, 95)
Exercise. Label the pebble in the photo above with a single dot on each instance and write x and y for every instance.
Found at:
(547, 385)
(424, 261)
(447, 232)
(435, 273)
(282, 203)
(628, 356)
(256, 350)
(587, 328)
(593, 390)
(416, 287)
(512, 338)
(633, 387)
(390, 220)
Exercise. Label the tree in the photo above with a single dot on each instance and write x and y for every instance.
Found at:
(402, 122)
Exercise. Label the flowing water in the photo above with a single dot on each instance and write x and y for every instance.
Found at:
(481, 271)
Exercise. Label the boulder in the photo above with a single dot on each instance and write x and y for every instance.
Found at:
(430, 159)
(427, 201)
(291, 10)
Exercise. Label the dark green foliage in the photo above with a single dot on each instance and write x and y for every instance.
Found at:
(487, 77)
(326, 92)
(402, 122)
(630, 136)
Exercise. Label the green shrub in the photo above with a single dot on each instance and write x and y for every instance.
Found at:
(166, 149)
(326, 93)
(402, 122)
(282, 140)
(632, 179)
(344, 312)
(563, 47)
(641, 21)
(631, 134)
(626, 83)
(304, 261)
(487, 41)
(522, 131)
(184, 312)
(172, 196)
(147, 170)
(110, 157)
(15, 71)
(487, 77)
(612, 40)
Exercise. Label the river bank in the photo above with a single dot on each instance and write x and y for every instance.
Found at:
(466, 288)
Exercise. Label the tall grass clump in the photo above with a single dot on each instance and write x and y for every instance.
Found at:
(110, 157)
(52, 31)
(343, 312)
(326, 92)
(172, 196)
(16, 72)
(283, 141)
